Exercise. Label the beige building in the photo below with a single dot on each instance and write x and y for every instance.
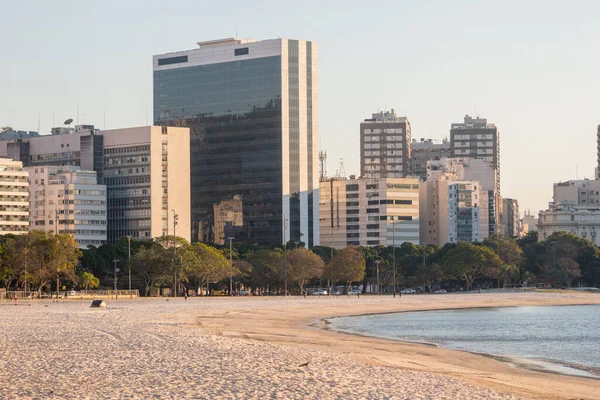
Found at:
(145, 170)
(369, 212)
(511, 218)
(68, 200)
(229, 218)
(14, 197)
(424, 151)
(528, 223)
(453, 210)
(575, 208)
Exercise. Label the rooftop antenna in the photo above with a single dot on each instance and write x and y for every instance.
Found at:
(476, 112)
(69, 122)
(39, 118)
(323, 163)
(341, 171)
(77, 114)
(53, 118)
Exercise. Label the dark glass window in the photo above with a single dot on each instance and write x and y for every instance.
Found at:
(387, 201)
(383, 217)
(352, 211)
(352, 227)
(173, 60)
(352, 219)
(403, 201)
(352, 235)
(352, 195)
(241, 52)
(372, 210)
(352, 188)
(373, 202)
(372, 234)
(404, 218)
(352, 204)
(352, 243)
(373, 226)
(372, 242)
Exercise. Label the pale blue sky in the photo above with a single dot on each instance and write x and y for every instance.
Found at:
(531, 67)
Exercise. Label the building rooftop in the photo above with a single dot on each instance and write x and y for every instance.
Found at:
(225, 42)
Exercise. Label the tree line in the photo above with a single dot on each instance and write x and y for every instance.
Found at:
(42, 261)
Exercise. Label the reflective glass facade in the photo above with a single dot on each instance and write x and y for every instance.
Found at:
(234, 112)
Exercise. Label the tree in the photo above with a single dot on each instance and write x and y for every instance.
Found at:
(88, 281)
(210, 266)
(304, 265)
(429, 275)
(148, 264)
(267, 268)
(468, 262)
(511, 255)
(179, 258)
(347, 266)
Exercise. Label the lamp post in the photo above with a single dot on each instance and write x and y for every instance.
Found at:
(115, 280)
(285, 225)
(129, 259)
(231, 265)
(394, 255)
(175, 220)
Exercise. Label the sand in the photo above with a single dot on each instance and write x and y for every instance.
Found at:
(253, 348)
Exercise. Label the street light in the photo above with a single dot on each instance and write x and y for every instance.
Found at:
(129, 259)
(231, 265)
(285, 225)
(394, 254)
(175, 220)
(115, 280)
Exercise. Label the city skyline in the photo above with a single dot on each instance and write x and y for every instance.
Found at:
(509, 76)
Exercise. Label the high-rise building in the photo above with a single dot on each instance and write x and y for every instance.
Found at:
(251, 107)
(476, 138)
(14, 199)
(511, 218)
(427, 150)
(598, 153)
(474, 169)
(145, 170)
(452, 210)
(369, 212)
(385, 146)
(575, 208)
(68, 200)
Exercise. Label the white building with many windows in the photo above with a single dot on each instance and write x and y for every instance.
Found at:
(66, 199)
(14, 197)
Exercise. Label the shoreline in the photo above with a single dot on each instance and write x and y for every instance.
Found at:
(550, 366)
(306, 329)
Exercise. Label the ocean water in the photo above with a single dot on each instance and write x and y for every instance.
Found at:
(564, 335)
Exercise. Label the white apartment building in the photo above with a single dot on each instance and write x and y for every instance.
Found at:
(385, 146)
(474, 169)
(453, 210)
(14, 197)
(528, 223)
(145, 170)
(575, 209)
(369, 212)
(68, 200)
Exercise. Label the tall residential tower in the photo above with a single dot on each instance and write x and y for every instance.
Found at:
(251, 107)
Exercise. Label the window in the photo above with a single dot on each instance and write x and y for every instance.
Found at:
(352, 204)
(372, 234)
(352, 195)
(241, 52)
(373, 226)
(404, 218)
(173, 60)
(352, 211)
(372, 242)
(352, 219)
(372, 210)
(352, 188)
(373, 202)
(353, 227)
(403, 201)
(352, 235)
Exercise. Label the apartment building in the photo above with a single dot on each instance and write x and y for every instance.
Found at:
(14, 197)
(385, 146)
(68, 200)
(369, 212)
(575, 208)
(511, 218)
(427, 150)
(145, 170)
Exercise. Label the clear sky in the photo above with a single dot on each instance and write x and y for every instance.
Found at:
(531, 67)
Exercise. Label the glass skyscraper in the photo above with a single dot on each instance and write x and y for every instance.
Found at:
(251, 107)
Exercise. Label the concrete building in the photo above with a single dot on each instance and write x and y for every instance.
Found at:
(427, 150)
(452, 210)
(14, 197)
(369, 212)
(476, 138)
(598, 153)
(251, 107)
(477, 170)
(145, 171)
(511, 218)
(575, 208)
(385, 146)
(68, 200)
(528, 223)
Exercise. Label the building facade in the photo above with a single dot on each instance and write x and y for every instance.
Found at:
(68, 200)
(476, 138)
(369, 212)
(14, 197)
(385, 146)
(452, 210)
(251, 107)
(145, 170)
(424, 151)
(575, 208)
(511, 218)
(528, 223)
(477, 170)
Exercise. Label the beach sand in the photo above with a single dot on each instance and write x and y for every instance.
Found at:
(254, 348)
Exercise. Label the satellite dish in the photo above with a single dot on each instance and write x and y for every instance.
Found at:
(69, 121)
